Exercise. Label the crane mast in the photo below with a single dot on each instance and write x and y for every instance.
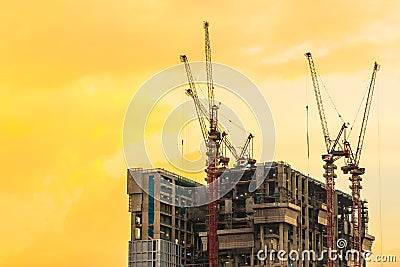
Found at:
(352, 166)
(213, 159)
(210, 83)
(329, 159)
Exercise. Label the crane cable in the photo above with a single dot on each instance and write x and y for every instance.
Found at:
(358, 111)
(379, 175)
(183, 137)
(330, 98)
(236, 124)
(222, 115)
(307, 125)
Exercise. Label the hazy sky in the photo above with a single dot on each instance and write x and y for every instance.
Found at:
(68, 70)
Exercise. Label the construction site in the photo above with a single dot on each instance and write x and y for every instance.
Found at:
(247, 226)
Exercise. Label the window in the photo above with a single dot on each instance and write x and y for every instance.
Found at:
(138, 233)
(138, 219)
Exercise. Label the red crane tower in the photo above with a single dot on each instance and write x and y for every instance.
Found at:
(214, 143)
(214, 137)
(352, 166)
(329, 159)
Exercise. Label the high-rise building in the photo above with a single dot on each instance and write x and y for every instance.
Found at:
(286, 212)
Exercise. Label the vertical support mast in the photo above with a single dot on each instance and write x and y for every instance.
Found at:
(210, 83)
(213, 145)
(330, 204)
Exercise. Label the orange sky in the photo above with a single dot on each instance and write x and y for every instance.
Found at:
(68, 70)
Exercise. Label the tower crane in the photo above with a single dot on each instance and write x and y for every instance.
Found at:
(249, 159)
(334, 152)
(214, 137)
(204, 117)
(352, 166)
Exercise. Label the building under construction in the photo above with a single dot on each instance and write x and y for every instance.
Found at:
(286, 212)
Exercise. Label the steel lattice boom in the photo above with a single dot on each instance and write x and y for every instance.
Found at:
(318, 97)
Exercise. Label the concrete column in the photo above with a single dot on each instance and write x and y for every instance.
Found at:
(237, 260)
(173, 210)
(293, 179)
(145, 217)
(252, 257)
(281, 182)
(133, 226)
(289, 186)
(281, 239)
(299, 188)
(157, 207)
(306, 190)
(321, 242)
(185, 226)
(314, 245)
(307, 246)
(286, 240)
(300, 228)
(262, 241)
(307, 221)
(295, 242)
